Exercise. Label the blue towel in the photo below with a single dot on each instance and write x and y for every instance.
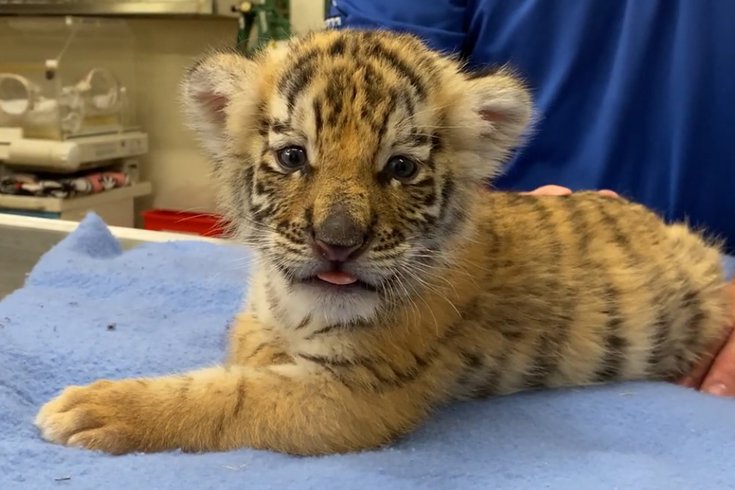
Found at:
(89, 310)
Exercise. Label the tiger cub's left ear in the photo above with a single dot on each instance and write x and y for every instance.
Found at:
(492, 115)
(208, 92)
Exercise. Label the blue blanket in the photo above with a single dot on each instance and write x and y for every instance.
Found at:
(89, 310)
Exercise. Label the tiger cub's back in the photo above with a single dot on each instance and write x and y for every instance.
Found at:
(586, 289)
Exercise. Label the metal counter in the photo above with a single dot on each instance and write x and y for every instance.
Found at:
(24, 240)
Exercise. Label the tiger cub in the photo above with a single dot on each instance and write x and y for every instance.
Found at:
(388, 279)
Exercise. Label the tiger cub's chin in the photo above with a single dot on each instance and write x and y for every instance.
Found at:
(344, 303)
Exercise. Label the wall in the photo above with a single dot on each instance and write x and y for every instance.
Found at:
(164, 48)
(306, 15)
(175, 165)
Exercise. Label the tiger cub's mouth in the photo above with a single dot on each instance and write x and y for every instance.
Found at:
(338, 281)
(338, 278)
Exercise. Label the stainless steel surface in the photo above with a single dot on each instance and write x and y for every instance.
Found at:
(117, 7)
(24, 240)
(19, 252)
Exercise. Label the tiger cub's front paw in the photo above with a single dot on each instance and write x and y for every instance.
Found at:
(106, 416)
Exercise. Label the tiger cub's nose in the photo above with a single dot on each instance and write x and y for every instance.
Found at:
(339, 237)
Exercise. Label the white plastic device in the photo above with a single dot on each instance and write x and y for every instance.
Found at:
(71, 154)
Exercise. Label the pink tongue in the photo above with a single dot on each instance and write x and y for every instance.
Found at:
(339, 278)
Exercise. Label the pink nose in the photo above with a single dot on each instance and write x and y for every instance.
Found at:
(337, 253)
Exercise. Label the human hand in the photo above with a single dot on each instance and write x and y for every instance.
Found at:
(557, 190)
(716, 373)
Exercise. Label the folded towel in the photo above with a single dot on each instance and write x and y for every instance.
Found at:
(89, 311)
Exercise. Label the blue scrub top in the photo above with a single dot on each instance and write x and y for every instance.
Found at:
(637, 96)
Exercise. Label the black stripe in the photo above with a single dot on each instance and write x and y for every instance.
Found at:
(660, 338)
(615, 344)
(260, 213)
(259, 348)
(280, 127)
(664, 322)
(338, 47)
(613, 224)
(472, 364)
(400, 66)
(329, 361)
(551, 231)
(247, 174)
(245, 192)
(429, 199)
(309, 217)
(426, 181)
(399, 377)
(240, 396)
(389, 110)
(265, 168)
(447, 191)
(551, 342)
(323, 330)
(304, 322)
(494, 377)
(344, 381)
(372, 85)
(334, 95)
(547, 355)
(318, 122)
(693, 303)
(329, 328)
(415, 139)
(579, 224)
(298, 84)
(437, 143)
(299, 63)
(281, 358)
(263, 128)
(482, 72)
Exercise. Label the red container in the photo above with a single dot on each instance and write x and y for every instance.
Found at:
(203, 224)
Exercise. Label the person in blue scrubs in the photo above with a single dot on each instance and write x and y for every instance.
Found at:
(637, 96)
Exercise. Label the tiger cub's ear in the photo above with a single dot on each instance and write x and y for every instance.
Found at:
(209, 91)
(493, 112)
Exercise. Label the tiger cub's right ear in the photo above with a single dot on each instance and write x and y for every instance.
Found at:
(208, 91)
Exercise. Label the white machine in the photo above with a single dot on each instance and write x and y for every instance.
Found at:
(69, 155)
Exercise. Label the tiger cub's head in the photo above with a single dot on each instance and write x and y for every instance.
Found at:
(348, 159)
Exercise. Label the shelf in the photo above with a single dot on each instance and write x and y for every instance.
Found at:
(58, 205)
(118, 7)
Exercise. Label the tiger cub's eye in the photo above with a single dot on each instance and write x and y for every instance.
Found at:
(292, 158)
(402, 168)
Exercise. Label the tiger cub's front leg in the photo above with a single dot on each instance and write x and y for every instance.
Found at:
(288, 408)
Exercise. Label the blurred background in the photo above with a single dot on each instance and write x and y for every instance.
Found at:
(89, 110)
